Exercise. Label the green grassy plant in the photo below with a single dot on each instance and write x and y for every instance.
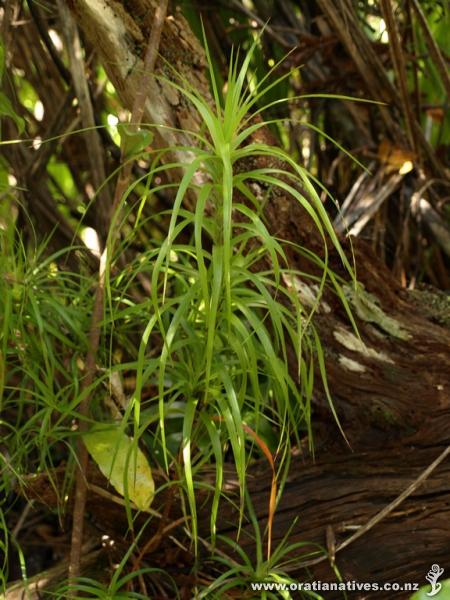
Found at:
(226, 328)
(238, 569)
(211, 339)
(118, 586)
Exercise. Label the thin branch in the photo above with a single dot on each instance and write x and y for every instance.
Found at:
(94, 335)
(270, 30)
(384, 512)
(435, 52)
(400, 69)
(35, 586)
(63, 71)
(141, 96)
(9, 16)
(95, 153)
(415, 133)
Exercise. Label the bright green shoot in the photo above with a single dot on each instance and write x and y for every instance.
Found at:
(239, 570)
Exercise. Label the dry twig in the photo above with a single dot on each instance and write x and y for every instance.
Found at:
(383, 513)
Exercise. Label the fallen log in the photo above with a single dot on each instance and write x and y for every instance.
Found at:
(335, 498)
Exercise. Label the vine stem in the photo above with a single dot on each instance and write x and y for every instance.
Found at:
(97, 314)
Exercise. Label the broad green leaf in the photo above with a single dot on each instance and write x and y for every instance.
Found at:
(123, 464)
(134, 142)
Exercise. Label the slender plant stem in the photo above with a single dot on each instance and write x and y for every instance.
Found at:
(398, 61)
(94, 334)
(435, 52)
(96, 153)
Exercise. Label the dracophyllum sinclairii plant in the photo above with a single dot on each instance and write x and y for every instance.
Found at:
(227, 327)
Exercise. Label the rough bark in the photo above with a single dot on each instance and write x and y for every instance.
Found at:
(341, 492)
(119, 32)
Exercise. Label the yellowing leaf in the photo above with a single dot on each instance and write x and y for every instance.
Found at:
(122, 463)
(396, 158)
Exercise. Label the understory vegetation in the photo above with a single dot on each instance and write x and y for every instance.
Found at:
(156, 316)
